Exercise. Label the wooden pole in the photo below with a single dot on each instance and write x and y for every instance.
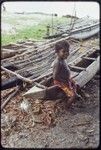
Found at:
(18, 75)
(9, 98)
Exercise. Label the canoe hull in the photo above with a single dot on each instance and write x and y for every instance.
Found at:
(86, 75)
(85, 34)
(35, 92)
(81, 79)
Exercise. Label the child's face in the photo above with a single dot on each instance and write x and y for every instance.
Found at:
(63, 54)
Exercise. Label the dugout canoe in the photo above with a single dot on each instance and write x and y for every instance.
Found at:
(82, 71)
(86, 32)
(80, 33)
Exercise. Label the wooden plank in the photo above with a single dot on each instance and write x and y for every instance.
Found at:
(44, 47)
(18, 76)
(76, 67)
(35, 92)
(13, 50)
(8, 50)
(76, 30)
(89, 58)
(74, 74)
(10, 97)
(78, 59)
(7, 54)
(87, 75)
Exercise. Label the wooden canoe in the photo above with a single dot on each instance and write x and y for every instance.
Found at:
(81, 33)
(82, 71)
(85, 32)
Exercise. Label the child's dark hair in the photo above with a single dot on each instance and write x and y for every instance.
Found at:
(61, 45)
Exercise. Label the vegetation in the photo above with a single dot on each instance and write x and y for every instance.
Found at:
(23, 34)
(29, 31)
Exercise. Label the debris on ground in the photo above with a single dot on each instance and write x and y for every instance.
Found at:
(35, 123)
(55, 126)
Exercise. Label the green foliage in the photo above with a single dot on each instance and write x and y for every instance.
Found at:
(30, 32)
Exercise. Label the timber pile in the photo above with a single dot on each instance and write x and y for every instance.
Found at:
(20, 47)
(80, 34)
(35, 64)
(79, 23)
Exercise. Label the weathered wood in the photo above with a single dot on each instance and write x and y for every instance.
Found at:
(47, 45)
(85, 28)
(40, 60)
(85, 34)
(9, 98)
(80, 78)
(49, 72)
(37, 57)
(77, 68)
(13, 81)
(37, 73)
(39, 85)
(13, 50)
(91, 70)
(89, 58)
(11, 67)
(8, 50)
(38, 68)
(7, 54)
(39, 92)
(43, 48)
(8, 93)
(76, 33)
(78, 59)
(18, 76)
(32, 60)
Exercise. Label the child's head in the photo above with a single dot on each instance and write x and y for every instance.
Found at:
(62, 49)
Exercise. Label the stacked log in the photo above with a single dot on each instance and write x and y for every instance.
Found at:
(36, 63)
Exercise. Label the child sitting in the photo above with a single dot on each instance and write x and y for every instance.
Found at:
(61, 71)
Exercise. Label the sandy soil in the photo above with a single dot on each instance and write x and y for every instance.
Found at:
(77, 127)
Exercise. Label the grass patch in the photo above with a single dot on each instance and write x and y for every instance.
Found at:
(37, 32)
(33, 32)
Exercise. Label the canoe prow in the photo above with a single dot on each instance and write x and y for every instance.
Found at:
(35, 92)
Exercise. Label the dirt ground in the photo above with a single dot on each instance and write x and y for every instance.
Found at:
(77, 127)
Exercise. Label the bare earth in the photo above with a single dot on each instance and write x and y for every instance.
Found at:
(77, 127)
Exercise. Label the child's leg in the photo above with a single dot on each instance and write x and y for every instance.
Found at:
(76, 90)
(53, 92)
(70, 101)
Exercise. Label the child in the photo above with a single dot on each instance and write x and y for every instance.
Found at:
(61, 71)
